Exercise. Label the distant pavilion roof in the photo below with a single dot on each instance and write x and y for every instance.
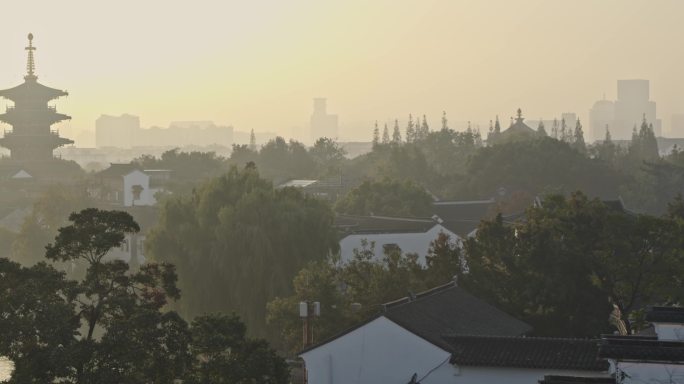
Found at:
(518, 127)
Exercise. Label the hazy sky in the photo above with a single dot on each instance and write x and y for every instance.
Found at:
(257, 64)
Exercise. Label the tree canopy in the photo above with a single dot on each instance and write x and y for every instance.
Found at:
(112, 326)
(386, 198)
(239, 236)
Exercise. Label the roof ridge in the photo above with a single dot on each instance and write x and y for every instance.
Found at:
(462, 202)
(420, 295)
(521, 337)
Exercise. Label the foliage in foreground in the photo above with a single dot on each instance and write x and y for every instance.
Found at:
(575, 267)
(111, 327)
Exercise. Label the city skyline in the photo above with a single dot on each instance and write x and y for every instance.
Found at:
(237, 65)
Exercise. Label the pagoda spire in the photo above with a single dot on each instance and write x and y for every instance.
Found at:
(30, 63)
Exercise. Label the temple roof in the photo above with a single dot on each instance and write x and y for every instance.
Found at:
(519, 127)
(32, 90)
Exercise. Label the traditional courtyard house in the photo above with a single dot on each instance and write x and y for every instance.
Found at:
(380, 233)
(127, 185)
(656, 356)
(446, 335)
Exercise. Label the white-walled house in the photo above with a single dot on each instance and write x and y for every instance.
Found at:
(411, 235)
(650, 358)
(136, 189)
(446, 335)
(127, 185)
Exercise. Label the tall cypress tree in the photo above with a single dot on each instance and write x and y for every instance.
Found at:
(554, 129)
(410, 130)
(376, 135)
(497, 125)
(424, 128)
(385, 135)
(478, 138)
(578, 142)
(252, 141)
(563, 131)
(396, 134)
(540, 129)
(648, 142)
(445, 125)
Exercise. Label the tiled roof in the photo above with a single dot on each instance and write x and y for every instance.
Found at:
(449, 310)
(641, 349)
(553, 379)
(117, 170)
(462, 217)
(526, 352)
(380, 224)
(666, 315)
(444, 310)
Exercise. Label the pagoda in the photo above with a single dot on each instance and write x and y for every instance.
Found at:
(31, 138)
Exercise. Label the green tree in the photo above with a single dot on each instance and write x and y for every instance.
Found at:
(348, 292)
(114, 300)
(410, 130)
(540, 129)
(376, 135)
(328, 156)
(252, 141)
(224, 355)
(385, 135)
(578, 139)
(396, 133)
(571, 261)
(238, 235)
(49, 212)
(38, 322)
(386, 198)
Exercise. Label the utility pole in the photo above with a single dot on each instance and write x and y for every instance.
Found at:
(307, 311)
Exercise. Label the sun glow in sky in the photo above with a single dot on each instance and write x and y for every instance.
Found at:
(258, 64)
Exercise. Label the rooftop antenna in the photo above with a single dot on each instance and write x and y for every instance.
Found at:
(30, 63)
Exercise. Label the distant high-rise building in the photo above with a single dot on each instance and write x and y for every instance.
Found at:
(31, 138)
(630, 108)
(632, 104)
(677, 126)
(116, 131)
(125, 132)
(322, 124)
(570, 120)
(601, 115)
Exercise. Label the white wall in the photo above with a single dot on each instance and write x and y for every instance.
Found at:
(146, 196)
(640, 373)
(383, 352)
(669, 331)
(378, 352)
(418, 243)
(490, 375)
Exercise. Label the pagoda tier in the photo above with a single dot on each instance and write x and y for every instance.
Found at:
(36, 147)
(31, 138)
(39, 117)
